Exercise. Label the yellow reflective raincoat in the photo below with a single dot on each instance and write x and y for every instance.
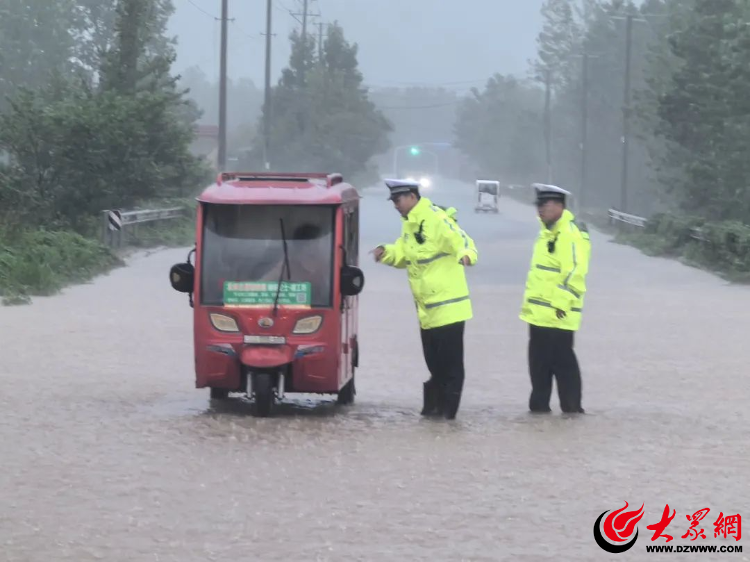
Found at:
(437, 279)
(557, 277)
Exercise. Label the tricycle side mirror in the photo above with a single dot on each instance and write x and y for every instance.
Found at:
(352, 281)
(182, 277)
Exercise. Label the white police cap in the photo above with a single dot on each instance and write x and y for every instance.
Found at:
(547, 192)
(400, 187)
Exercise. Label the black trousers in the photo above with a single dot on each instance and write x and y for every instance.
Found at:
(443, 349)
(551, 354)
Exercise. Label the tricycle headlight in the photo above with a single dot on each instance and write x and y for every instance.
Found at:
(224, 323)
(308, 325)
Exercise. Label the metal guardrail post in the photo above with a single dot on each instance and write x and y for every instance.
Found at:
(115, 222)
(696, 233)
(627, 218)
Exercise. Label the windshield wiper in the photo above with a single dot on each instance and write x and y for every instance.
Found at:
(284, 268)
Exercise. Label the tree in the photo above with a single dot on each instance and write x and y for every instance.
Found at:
(36, 41)
(501, 128)
(77, 149)
(323, 118)
(701, 110)
(559, 39)
(139, 57)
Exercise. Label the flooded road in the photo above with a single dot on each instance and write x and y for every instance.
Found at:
(109, 453)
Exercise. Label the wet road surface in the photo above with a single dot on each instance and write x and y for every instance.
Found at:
(109, 453)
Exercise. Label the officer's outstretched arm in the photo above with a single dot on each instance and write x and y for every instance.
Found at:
(394, 254)
(456, 242)
(573, 269)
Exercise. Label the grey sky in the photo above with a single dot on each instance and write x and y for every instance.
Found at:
(401, 41)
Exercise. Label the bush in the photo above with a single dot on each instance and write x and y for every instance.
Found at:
(80, 152)
(41, 263)
(724, 246)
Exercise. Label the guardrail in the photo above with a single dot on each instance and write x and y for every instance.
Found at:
(115, 222)
(616, 216)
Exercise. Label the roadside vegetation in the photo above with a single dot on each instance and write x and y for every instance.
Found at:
(689, 116)
(721, 247)
(90, 119)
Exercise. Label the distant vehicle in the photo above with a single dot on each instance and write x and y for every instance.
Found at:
(425, 180)
(275, 280)
(488, 194)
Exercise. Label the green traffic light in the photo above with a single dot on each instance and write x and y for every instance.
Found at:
(415, 150)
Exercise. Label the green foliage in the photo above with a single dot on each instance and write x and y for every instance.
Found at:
(719, 246)
(91, 119)
(501, 128)
(76, 150)
(323, 119)
(172, 233)
(29, 56)
(689, 119)
(90, 151)
(43, 262)
(705, 114)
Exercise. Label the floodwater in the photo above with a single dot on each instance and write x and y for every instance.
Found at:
(109, 453)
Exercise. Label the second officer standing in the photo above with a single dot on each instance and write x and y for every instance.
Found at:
(553, 301)
(434, 250)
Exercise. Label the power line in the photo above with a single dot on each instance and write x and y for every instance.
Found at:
(395, 83)
(241, 32)
(446, 104)
(197, 7)
(283, 8)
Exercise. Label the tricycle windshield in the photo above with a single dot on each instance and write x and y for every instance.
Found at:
(490, 188)
(243, 243)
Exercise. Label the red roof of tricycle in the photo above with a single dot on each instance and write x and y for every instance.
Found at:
(265, 188)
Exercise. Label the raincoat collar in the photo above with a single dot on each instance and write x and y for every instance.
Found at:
(422, 205)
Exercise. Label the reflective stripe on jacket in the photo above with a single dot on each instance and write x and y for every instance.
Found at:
(437, 279)
(557, 278)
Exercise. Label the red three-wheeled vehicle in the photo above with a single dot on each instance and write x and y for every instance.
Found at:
(274, 286)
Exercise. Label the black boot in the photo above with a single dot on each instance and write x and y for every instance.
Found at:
(430, 398)
(452, 401)
(439, 399)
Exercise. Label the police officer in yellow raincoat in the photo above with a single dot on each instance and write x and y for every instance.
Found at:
(434, 250)
(553, 302)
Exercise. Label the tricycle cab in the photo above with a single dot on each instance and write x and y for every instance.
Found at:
(275, 286)
(488, 194)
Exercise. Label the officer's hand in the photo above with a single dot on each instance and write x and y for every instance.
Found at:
(465, 261)
(561, 314)
(378, 253)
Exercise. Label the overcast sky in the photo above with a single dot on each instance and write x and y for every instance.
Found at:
(458, 43)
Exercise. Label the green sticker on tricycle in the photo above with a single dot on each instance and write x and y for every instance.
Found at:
(260, 293)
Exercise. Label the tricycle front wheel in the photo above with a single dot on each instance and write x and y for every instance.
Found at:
(264, 395)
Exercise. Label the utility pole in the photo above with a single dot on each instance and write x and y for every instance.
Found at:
(626, 109)
(584, 127)
(267, 112)
(548, 121)
(626, 116)
(304, 20)
(584, 123)
(222, 157)
(306, 15)
(320, 41)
